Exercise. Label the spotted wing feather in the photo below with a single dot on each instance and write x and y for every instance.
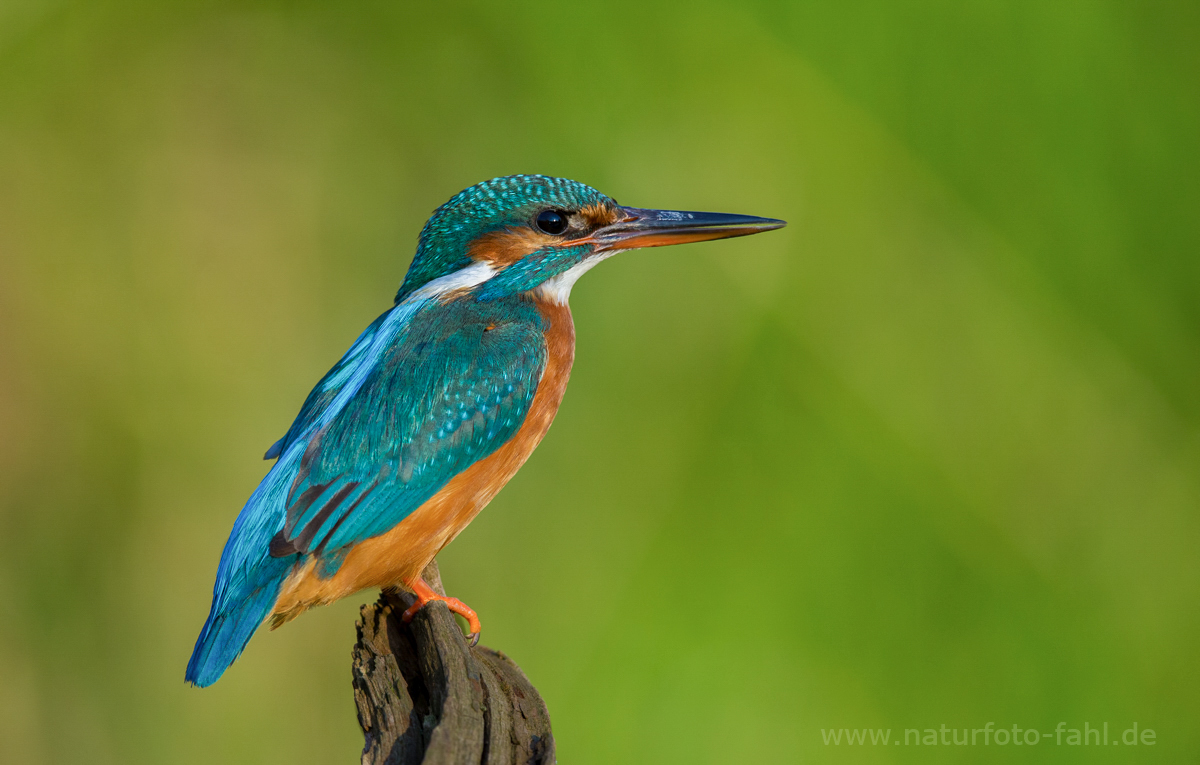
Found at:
(451, 392)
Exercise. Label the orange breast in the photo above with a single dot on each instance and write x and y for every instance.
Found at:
(403, 552)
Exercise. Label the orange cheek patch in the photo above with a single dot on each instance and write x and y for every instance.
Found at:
(504, 247)
(507, 246)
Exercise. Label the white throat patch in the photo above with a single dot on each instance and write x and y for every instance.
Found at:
(557, 289)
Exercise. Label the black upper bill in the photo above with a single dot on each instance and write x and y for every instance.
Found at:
(656, 228)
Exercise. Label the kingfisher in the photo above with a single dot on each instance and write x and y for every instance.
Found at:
(434, 407)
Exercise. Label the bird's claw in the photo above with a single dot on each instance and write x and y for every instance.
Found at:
(426, 595)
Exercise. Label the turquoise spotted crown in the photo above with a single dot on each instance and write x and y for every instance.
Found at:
(485, 207)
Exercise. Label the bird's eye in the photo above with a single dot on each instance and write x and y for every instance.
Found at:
(552, 222)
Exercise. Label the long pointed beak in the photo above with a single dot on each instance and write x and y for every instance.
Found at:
(656, 228)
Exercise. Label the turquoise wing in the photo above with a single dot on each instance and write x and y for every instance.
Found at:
(322, 398)
(453, 387)
(428, 389)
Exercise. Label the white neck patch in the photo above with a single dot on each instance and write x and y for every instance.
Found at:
(464, 278)
(557, 289)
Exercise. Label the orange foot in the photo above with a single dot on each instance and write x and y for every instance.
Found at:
(426, 595)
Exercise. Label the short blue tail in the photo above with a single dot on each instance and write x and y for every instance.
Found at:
(248, 578)
(233, 620)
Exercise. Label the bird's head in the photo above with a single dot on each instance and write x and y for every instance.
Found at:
(526, 233)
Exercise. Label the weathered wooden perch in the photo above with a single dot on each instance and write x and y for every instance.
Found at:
(424, 696)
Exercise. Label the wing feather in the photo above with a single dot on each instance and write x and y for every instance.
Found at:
(450, 389)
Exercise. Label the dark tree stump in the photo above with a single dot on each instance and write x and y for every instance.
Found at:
(425, 696)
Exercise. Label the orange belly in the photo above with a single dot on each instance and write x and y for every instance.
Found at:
(402, 553)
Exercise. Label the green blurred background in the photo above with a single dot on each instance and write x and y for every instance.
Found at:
(929, 455)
